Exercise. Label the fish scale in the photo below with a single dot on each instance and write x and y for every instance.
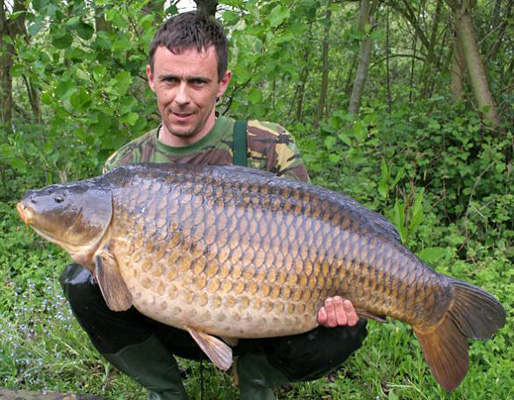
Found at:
(239, 253)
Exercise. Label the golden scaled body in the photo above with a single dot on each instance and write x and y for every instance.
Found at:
(250, 258)
(239, 253)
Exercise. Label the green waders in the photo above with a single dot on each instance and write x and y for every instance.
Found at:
(256, 377)
(151, 365)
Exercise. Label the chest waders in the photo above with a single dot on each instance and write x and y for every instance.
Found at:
(240, 144)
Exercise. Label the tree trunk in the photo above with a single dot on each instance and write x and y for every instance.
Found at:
(457, 72)
(333, 96)
(365, 13)
(431, 59)
(348, 85)
(495, 17)
(388, 71)
(18, 28)
(467, 40)
(34, 99)
(325, 68)
(412, 16)
(6, 52)
(502, 22)
(207, 6)
(304, 74)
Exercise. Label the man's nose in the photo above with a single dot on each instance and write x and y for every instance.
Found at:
(182, 94)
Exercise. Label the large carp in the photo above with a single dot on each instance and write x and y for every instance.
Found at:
(239, 253)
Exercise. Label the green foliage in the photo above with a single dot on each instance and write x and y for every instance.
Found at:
(92, 83)
(440, 174)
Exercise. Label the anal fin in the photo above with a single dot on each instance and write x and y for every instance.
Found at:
(218, 352)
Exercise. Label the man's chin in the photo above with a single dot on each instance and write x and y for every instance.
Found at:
(179, 134)
(183, 134)
(181, 131)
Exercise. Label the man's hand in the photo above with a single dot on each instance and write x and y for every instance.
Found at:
(337, 312)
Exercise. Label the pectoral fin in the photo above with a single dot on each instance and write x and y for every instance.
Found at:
(111, 283)
(218, 352)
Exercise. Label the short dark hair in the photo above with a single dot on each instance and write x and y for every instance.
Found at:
(192, 30)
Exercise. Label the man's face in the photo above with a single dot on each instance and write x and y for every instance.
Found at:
(186, 86)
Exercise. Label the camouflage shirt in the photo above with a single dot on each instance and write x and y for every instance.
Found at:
(270, 148)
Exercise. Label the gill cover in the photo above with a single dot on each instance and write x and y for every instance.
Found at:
(73, 215)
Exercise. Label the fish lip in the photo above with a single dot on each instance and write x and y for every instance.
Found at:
(23, 212)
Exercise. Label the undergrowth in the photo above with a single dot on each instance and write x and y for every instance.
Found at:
(444, 180)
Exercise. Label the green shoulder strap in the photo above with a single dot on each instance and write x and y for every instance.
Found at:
(240, 144)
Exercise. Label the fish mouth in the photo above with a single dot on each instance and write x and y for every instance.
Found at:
(24, 213)
(27, 216)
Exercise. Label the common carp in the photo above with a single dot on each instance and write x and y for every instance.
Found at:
(231, 252)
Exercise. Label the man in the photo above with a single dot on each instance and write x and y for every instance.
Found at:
(187, 72)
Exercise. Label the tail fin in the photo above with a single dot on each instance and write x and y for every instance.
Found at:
(473, 314)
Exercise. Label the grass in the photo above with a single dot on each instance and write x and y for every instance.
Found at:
(43, 348)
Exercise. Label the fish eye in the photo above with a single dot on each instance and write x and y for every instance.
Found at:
(60, 197)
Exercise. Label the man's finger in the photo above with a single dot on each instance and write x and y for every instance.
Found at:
(322, 316)
(340, 311)
(331, 312)
(351, 314)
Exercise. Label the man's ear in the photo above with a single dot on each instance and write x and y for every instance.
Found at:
(224, 83)
(149, 74)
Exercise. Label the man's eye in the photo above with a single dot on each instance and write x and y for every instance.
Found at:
(198, 82)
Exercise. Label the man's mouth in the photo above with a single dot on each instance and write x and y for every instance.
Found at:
(182, 114)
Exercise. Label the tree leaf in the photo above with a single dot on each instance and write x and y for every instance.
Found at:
(62, 41)
(431, 254)
(255, 95)
(73, 22)
(399, 175)
(278, 15)
(147, 21)
(116, 18)
(15, 15)
(34, 28)
(329, 142)
(84, 31)
(80, 100)
(19, 164)
(130, 118)
(230, 17)
(383, 187)
(64, 89)
(39, 5)
(122, 43)
(345, 138)
(334, 157)
(399, 219)
(123, 81)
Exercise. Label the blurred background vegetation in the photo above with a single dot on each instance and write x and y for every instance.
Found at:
(407, 106)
